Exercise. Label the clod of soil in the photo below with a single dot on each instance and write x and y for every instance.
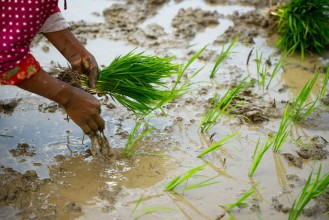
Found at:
(295, 161)
(49, 108)
(188, 22)
(8, 105)
(23, 150)
(16, 188)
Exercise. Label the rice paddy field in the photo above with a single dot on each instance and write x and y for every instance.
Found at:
(250, 158)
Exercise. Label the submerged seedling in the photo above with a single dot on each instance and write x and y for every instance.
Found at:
(258, 155)
(221, 107)
(216, 145)
(310, 191)
(179, 180)
(223, 54)
(241, 201)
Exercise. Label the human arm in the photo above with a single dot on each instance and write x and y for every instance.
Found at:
(78, 56)
(81, 107)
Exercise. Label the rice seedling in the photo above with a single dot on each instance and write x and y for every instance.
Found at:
(136, 81)
(275, 71)
(134, 137)
(310, 191)
(323, 90)
(258, 155)
(284, 130)
(241, 201)
(216, 145)
(304, 26)
(221, 107)
(299, 109)
(185, 67)
(172, 185)
(223, 54)
(150, 210)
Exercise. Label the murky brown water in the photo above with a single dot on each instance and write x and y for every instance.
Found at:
(80, 187)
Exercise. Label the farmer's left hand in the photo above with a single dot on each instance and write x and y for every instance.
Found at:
(85, 63)
(78, 56)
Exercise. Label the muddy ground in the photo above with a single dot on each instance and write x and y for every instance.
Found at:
(47, 168)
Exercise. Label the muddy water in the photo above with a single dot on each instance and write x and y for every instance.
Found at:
(36, 135)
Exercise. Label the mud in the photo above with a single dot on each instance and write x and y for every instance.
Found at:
(23, 150)
(7, 106)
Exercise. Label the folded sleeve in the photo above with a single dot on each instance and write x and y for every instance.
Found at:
(54, 22)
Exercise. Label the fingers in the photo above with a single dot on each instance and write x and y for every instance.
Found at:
(90, 65)
(92, 126)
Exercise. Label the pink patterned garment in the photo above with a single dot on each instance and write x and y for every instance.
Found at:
(20, 21)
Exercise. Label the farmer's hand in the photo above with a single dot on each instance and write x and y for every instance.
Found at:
(84, 109)
(85, 63)
(81, 107)
(77, 55)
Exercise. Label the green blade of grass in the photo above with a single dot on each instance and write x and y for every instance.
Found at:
(183, 177)
(223, 54)
(216, 145)
(228, 207)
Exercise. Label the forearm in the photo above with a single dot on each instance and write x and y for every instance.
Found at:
(47, 86)
(67, 44)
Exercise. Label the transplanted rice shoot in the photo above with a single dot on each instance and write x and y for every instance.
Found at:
(258, 155)
(216, 145)
(240, 202)
(220, 107)
(136, 81)
(223, 54)
(310, 191)
(172, 185)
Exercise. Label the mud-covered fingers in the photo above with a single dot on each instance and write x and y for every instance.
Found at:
(86, 129)
(93, 126)
(91, 67)
(100, 122)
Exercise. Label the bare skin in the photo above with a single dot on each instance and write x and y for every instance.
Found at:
(83, 108)
(77, 55)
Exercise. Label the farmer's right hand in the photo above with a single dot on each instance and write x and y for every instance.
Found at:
(84, 109)
(81, 107)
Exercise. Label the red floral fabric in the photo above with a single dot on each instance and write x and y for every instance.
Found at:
(24, 70)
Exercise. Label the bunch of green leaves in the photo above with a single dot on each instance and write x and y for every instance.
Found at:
(304, 26)
(258, 155)
(136, 81)
(241, 201)
(135, 136)
(220, 107)
(179, 180)
(223, 54)
(310, 191)
(216, 145)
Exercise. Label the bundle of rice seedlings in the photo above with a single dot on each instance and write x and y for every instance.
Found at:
(304, 25)
(136, 81)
